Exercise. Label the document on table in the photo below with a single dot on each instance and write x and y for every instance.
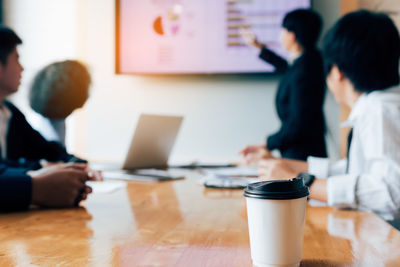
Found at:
(238, 171)
(144, 175)
(233, 177)
(106, 187)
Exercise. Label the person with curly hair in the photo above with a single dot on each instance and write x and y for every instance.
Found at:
(56, 91)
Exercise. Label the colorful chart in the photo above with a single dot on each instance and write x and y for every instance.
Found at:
(158, 27)
(198, 36)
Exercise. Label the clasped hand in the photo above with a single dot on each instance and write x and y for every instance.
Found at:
(269, 167)
(254, 153)
(61, 185)
(275, 169)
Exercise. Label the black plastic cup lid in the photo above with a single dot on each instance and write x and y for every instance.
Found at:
(277, 189)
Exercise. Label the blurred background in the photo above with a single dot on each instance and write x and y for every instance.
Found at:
(223, 113)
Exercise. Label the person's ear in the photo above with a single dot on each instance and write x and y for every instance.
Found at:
(292, 37)
(336, 73)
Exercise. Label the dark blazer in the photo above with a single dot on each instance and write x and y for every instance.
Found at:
(299, 104)
(15, 188)
(25, 146)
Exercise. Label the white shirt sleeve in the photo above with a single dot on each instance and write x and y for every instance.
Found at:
(323, 167)
(368, 191)
(374, 179)
(341, 191)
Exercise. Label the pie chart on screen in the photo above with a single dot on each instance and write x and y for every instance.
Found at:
(157, 26)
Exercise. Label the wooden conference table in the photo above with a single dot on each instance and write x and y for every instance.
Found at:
(181, 223)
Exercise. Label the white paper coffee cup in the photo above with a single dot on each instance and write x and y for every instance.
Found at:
(276, 217)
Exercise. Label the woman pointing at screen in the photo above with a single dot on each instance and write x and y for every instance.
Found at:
(301, 91)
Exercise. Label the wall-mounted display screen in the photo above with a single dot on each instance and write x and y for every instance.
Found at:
(197, 36)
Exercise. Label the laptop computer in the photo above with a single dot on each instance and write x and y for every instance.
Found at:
(149, 150)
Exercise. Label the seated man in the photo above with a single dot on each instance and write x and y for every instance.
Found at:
(361, 55)
(20, 145)
(58, 186)
(21, 148)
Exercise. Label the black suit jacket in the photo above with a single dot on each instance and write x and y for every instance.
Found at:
(299, 104)
(25, 146)
(15, 188)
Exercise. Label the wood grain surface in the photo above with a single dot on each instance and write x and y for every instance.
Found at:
(181, 223)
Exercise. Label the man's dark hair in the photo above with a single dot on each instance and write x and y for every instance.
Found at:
(59, 89)
(8, 41)
(306, 26)
(365, 46)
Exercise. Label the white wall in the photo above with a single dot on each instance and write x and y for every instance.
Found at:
(222, 113)
(330, 11)
(47, 36)
(48, 31)
(390, 7)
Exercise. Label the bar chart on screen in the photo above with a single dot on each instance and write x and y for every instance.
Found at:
(189, 36)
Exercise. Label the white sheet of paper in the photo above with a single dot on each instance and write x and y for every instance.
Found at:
(106, 187)
(246, 171)
(226, 181)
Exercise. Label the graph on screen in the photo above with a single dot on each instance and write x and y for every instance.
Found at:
(192, 36)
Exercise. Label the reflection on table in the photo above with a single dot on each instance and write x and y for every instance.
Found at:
(181, 223)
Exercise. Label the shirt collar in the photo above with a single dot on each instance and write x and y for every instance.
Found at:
(356, 111)
(5, 113)
(293, 57)
(362, 103)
